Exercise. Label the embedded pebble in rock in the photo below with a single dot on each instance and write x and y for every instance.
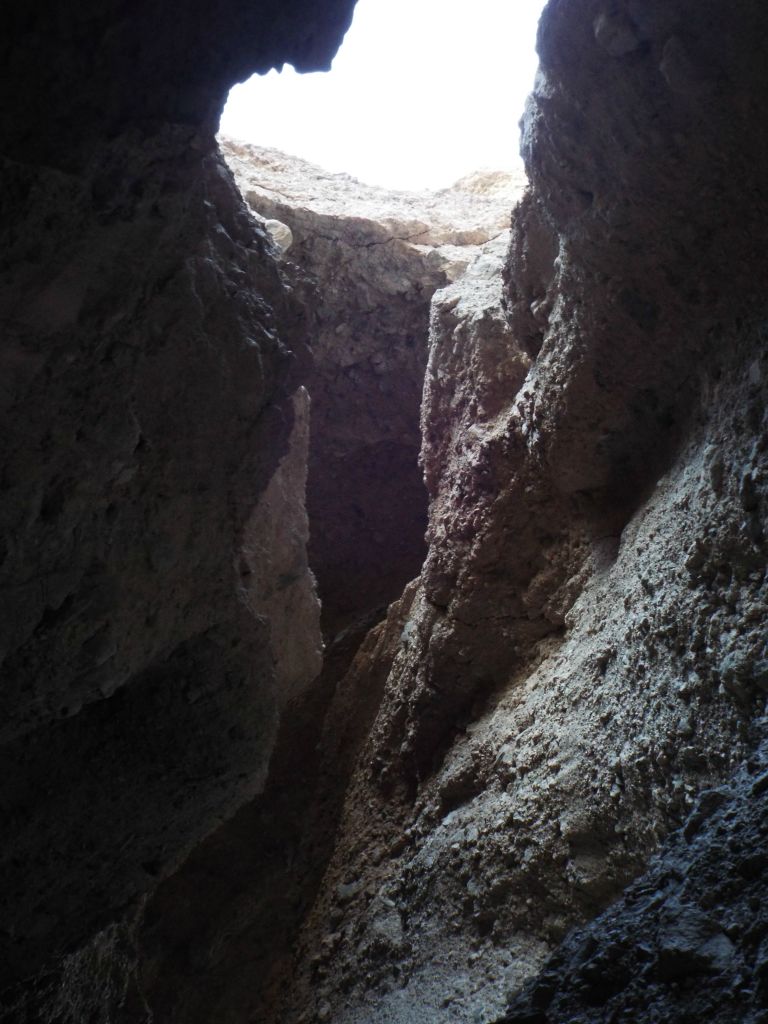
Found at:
(280, 234)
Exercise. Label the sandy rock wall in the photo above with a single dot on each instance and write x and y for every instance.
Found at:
(151, 352)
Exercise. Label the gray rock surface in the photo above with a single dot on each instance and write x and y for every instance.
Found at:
(687, 941)
(556, 786)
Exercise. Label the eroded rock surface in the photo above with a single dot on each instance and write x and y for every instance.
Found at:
(687, 941)
(375, 258)
(552, 790)
(576, 680)
(263, 869)
(142, 438)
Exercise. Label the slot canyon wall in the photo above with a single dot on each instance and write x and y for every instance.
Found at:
(534, 791)
(375, 259)
(153, 429)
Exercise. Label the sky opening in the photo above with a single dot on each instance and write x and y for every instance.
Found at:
(421, 93)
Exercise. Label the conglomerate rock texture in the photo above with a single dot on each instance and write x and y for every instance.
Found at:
(569, 698)
(688, 941)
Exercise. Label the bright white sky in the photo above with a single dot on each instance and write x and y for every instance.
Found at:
(420, 93)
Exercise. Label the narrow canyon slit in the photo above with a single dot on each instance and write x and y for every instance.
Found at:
(368, 259)
(511, 428)
(367, 263)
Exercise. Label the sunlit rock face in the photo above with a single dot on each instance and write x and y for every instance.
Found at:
(151, 356)
(374, 258)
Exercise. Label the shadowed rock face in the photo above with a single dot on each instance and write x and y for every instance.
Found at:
(150, 355)
(145, 413)
(80, 74)
(372, 286)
